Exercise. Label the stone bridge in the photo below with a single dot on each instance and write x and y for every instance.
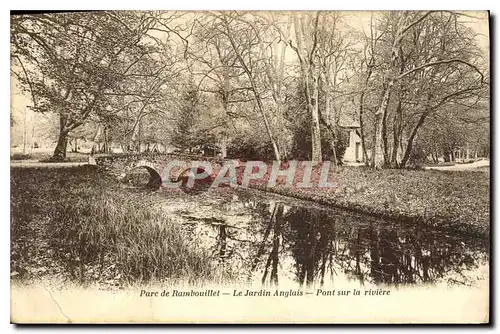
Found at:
(123, 164)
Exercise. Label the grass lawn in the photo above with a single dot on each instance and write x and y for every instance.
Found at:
(455, 197)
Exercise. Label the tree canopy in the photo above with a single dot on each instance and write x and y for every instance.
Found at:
(275, 85)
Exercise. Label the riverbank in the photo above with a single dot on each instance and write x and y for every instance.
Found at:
(460, 198)
(75, 224)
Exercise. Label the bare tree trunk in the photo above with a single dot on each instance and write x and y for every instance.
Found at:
(223, 145)
(107, 141)
(60, 150)
(362, 129)
(377, 148)
(133, 140)
(315, 130)
(379, 157)
(384, 140)
(32, 146)
(225, 105)
(331, 129)
(310, 71)
(398, 117)
(378, 153)
(369, 68)
(409, 145)
(62, 142)
(255, 92)
(435, 156)
(24, 132)
(136, 135)
(274, 70)
(446, 155)
(330, 124)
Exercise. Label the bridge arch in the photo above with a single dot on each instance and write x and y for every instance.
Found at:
(122, 165)
(154, 177)
(155, 180)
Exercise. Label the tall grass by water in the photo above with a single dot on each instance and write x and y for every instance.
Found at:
(96, 232)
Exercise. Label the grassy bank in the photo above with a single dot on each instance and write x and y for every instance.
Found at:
(457, 197)
(46, 156)
(75, 224)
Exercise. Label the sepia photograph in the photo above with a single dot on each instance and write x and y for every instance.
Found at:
(250, 167)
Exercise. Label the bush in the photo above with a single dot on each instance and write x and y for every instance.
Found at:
(20, 156)
(246, 148)
(418, 158)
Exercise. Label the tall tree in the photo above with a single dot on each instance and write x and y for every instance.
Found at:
(215, 65)
(244, 43)
(184, 135)
(73, 61)
(306, 26)
(421, 49)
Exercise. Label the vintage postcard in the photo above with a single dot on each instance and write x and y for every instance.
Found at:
(250, 167)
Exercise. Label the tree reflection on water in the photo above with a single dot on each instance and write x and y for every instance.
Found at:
(315, 246)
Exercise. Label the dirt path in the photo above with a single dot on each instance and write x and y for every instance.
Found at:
(474, 166)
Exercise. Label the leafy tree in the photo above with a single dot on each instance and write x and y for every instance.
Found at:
(73, 62)
(185, 136)
(421, 63)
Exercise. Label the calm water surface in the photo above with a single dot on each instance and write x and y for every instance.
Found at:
(272, 240)
(269, 240)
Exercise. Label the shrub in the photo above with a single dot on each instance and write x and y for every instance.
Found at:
(20, 156)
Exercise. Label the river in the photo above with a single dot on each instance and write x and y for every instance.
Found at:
(269, 240)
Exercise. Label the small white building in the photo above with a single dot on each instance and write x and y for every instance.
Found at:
(354, 151)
